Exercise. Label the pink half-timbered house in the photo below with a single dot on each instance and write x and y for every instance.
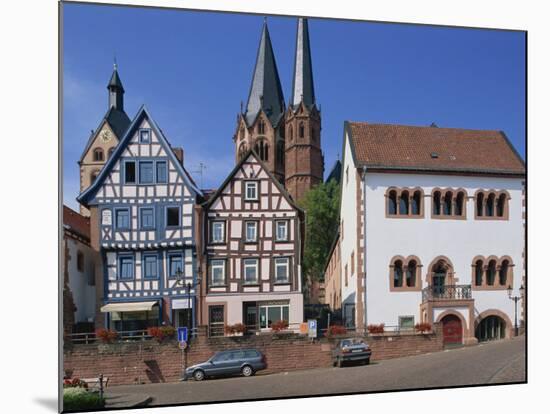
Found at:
(253, 250)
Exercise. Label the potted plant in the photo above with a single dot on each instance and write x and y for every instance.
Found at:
(335, 330)
(235, 330)
(106, 335)
(376, 329)
(279, 326)
(161, 332)
(423, 327)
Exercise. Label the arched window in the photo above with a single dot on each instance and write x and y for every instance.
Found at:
(415, 203)
(111, 150)
(98, 154)
(459, 204)
(290, 133)
(392, 203)
(301, 130)
(490, 206)
(411, 273)
(437, 203)
(261, 127)
(479, 204)
(281, 153)
(241, 132)
(491, 272)
(447, 203)
(313, 134)
(242, 150)
(501, 203)
(503, 272)
(262, 149)
(404, 203)
(479, 273)
(398, 274)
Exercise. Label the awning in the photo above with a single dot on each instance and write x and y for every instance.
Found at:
(128, 306)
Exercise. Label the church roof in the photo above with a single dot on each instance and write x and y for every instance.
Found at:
(415, 148)
(302, 81)
(117, 120)
(115, 81)
(265, 91)
(335, 172)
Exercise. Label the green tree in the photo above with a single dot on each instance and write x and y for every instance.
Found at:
(321, 204)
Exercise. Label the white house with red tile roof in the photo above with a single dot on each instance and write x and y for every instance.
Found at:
(432, 229)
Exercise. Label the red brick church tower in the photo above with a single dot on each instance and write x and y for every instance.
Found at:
(287, 140)
(304, 164)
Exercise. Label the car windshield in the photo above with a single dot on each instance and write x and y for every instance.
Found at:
(352, 342)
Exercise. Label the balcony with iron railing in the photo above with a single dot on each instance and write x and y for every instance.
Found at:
(447, 292)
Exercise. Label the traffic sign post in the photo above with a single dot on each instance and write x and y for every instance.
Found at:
(183, 334)
(312, 328)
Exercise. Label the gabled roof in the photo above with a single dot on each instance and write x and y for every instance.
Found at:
(302, 81)
(117, 120)
(250, 152)
(76, 222)
(265, 91)
(86, 196)
(432, 149)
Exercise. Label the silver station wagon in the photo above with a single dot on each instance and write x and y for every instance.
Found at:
(245, 362)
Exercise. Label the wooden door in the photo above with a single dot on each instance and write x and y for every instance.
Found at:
(452, 330)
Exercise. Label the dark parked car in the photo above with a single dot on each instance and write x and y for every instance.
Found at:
(235, 361)
(351, 349)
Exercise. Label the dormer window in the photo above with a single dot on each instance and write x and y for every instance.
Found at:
(98, 154)
(145, 136)
(301, 130)
(251, 190)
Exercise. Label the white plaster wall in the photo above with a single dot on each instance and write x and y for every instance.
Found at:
(459, 240)
(348, 213)
(83, 295)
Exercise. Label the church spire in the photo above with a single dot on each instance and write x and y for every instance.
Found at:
(116, 90)
(265, 91)
(302, 81)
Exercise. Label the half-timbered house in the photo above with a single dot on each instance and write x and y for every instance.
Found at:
(142, 207)
(253, 249)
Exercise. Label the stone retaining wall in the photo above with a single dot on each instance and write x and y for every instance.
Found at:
(151, 362)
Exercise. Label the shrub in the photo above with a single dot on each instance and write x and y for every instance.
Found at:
(278, 326)
(78, 399)
(106, 335)
(336, 330)
(161, 332)
(233, 329)
(423, 327)
(376, 329)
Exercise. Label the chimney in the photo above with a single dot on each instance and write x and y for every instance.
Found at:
(179, 154)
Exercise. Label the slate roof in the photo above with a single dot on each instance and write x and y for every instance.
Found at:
(402, 147)
(115, 81)
(76, 222)
(302, 81)
(335, 172)
(265, 91)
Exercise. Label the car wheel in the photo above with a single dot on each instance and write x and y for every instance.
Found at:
(367, 361)
(247, 371)
(198, 375)
(339, 363)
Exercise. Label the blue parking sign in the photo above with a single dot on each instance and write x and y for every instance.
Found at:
(312, 328)
(182, 334)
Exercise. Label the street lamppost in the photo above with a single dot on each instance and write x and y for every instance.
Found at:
(180, 280)
(515, 299)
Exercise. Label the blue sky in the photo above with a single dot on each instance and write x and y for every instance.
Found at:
(192, 70)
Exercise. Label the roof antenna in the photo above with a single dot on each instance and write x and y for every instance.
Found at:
(200, 170)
